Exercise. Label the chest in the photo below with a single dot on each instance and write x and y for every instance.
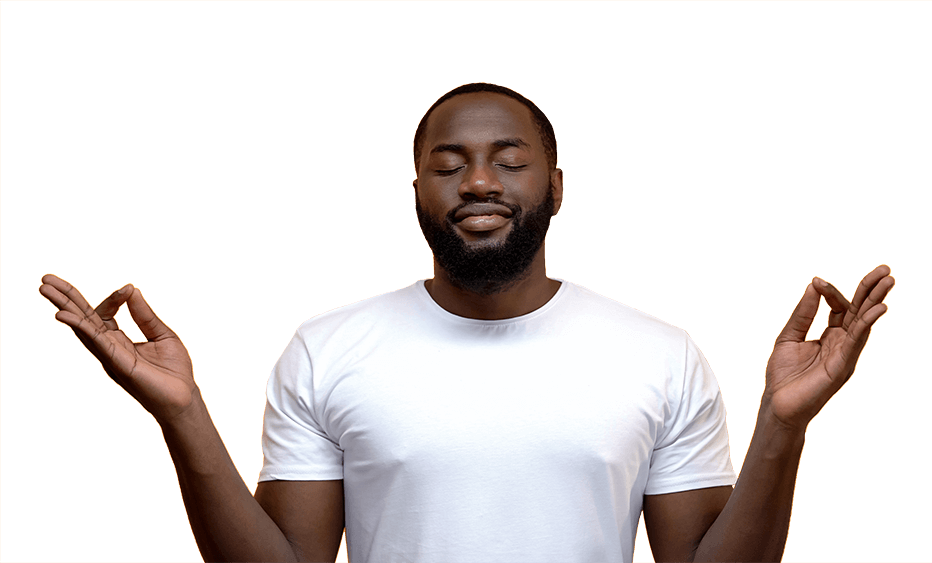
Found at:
(495, 409)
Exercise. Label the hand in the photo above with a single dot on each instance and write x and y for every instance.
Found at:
(802, 376)
(157, 373)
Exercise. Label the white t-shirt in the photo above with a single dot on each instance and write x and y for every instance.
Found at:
(531, 439)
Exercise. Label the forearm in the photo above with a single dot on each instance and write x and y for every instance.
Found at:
(228, 523)
(754, 523)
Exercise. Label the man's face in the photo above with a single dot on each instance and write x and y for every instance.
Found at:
(484, 192)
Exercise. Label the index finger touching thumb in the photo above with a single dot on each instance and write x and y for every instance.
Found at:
(151, 326)
(109, 306)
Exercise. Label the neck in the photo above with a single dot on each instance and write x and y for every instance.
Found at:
(528, 294)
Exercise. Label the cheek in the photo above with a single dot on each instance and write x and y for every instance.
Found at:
(428, 202)
(533, 189)
(435, 195)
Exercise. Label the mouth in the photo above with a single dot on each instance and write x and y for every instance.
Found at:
(481, 217)
(481, 223)
(481, 209)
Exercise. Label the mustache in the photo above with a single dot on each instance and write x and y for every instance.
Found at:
(515, 210)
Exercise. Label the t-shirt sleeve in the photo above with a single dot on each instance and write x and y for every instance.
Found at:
(294, 443)
(692, 451)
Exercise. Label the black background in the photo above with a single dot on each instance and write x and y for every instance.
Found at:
(246, 181)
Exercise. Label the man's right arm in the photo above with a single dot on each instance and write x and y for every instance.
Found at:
(284, 522)
(228, 523)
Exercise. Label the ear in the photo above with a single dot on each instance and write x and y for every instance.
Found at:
(556, 184)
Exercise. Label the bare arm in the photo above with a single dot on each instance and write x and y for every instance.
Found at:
(228, 523)
(753, 525)
(718, 524)
(801, 377)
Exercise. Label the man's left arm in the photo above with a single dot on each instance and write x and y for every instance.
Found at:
(753, 525)
(751, 522)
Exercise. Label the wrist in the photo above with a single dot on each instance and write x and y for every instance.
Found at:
(775, 436)
(193, 416)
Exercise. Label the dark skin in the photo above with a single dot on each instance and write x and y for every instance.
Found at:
(303, 520)
(480, 146)
(463, 158)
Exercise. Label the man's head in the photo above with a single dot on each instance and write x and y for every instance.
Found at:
(544, 128)
(486, 185)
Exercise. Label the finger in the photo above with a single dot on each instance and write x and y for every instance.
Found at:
(53, 294)
(874, 298)
(801, 319)
(73, 295)
(89, 334)
(150, 325)
(871, 309)
(114, 357)
(835, 300)
(109, 306)
(59, 299)
(864, 288)
(859, 331)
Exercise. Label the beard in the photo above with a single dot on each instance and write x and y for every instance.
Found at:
(486, 269)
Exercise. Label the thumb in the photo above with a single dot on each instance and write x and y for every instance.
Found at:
(150, 325)
(801, 319)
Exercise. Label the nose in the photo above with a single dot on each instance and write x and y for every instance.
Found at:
(480, 182)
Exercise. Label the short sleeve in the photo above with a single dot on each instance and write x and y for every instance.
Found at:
(294, 443)
(692, 451)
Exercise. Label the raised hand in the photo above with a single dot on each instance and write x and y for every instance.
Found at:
(157, 373)
(803, 375)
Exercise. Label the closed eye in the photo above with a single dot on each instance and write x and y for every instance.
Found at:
(449, 171)
(457, 169)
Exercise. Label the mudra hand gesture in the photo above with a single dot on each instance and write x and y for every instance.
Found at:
(802, 376)
(157, 373)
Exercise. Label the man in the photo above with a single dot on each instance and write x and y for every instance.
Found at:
(489, 413)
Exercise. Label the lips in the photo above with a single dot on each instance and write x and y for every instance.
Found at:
(481, 210)
(481, 223)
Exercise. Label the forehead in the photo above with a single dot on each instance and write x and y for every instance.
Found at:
(480, 118)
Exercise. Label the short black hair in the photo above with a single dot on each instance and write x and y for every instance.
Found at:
(544, 128)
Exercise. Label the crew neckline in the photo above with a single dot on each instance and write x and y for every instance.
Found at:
(434, 306)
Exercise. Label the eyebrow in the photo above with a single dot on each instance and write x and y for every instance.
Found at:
(498, 144)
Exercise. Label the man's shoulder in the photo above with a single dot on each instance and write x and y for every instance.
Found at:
(609, 314)
(364, 312)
